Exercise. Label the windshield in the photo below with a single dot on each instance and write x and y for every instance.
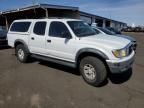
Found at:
(106, 31)
(81, 29)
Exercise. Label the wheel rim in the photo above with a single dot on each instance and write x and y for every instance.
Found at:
(89, 71)
(21, 54)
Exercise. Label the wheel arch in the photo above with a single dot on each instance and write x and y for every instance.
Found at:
(90, 52)
(18, 42)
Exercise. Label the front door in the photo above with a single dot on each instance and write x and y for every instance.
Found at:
(60, 43)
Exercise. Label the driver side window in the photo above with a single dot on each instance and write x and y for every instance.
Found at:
(59, 29)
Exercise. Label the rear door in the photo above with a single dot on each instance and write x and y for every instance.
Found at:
(37, 38)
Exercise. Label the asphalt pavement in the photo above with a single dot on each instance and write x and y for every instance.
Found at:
(41, 84)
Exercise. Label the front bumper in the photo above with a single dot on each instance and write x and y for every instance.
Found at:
(118, 66)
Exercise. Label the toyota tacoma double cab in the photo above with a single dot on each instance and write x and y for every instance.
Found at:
(71, 42)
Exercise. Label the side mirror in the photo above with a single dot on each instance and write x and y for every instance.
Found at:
(66, 35)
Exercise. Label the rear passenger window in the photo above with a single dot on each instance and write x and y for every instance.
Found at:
(20, 26)
(39, 28)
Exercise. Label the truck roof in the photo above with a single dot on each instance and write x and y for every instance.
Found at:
(47, 19)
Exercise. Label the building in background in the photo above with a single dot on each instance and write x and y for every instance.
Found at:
(47, 11)
(101, 21)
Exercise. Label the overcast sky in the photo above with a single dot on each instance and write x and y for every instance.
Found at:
(129, 11)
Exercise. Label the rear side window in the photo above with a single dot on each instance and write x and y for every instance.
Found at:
(20, 26)
(39, 28)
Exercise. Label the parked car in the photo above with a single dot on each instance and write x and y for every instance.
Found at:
(127, 29)
(133, 29)
(72, 43)
(142, 29)
(114, 30)
(104, 31)
(137, 29)
(108, 32)
(3, 37)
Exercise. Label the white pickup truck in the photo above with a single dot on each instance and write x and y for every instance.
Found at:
(72, 43)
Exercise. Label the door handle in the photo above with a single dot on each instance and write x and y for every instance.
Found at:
(49, 41)
(32, 38)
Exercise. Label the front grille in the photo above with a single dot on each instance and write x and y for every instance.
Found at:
(134, 46)
(130, 49)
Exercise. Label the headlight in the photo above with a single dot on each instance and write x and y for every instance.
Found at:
(120, 53)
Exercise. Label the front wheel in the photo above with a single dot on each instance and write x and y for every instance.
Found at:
(93, 70)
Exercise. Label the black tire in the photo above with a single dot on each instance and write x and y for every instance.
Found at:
(25, 52)
(100, 70)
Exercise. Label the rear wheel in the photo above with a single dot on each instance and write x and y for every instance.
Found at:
(21, 53)
(93, 70)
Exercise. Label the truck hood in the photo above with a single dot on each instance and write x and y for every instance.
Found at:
(127, 37)
(107, 41)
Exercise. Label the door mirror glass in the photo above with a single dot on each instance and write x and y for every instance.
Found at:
(66, 35)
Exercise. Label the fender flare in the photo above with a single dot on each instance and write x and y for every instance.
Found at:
(24, 43)
(91, 50)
